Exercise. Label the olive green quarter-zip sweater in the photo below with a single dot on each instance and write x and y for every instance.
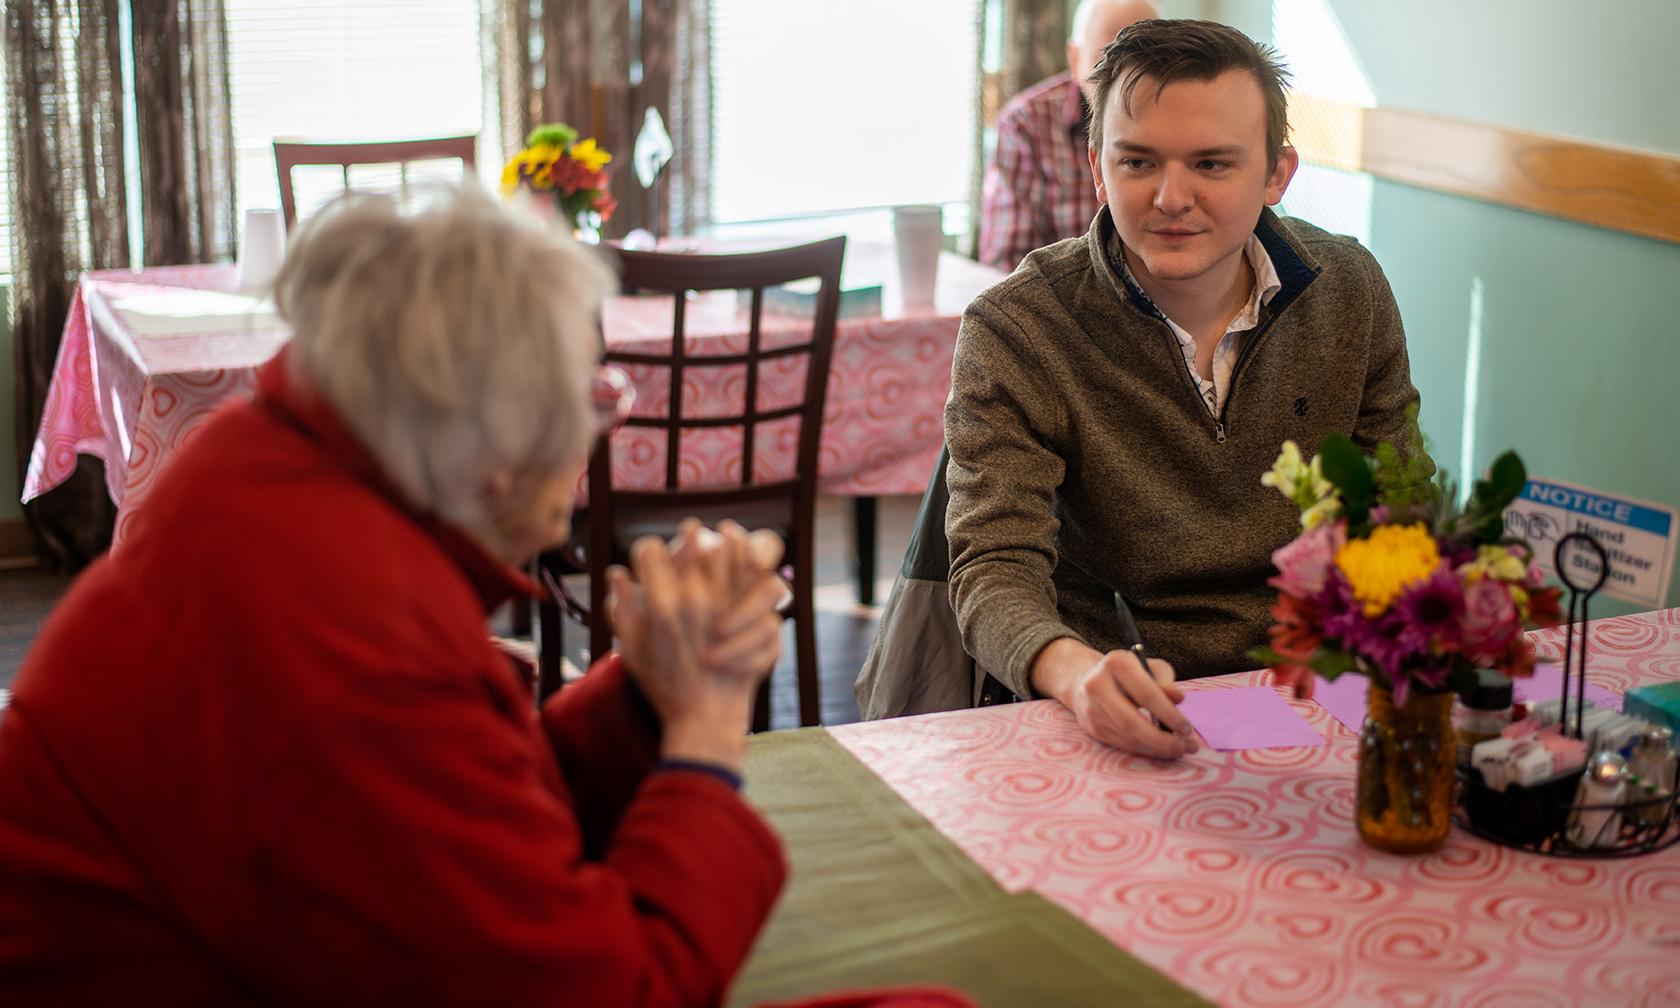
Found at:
(1084, 460)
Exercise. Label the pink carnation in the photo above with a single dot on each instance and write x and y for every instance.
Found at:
(1304, 562)
(1490, 618)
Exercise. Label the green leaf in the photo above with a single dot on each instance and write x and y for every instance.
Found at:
(552, 134)
(1331, 663)
(1347, 467)
(1485, 512)
(1462, 679)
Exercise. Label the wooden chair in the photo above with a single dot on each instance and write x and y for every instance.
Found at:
(289, 154)
(615, 517)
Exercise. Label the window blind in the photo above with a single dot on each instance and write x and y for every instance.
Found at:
(365, 71)
(826, 106)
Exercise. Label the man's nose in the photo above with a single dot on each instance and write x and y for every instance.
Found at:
(1173, 191)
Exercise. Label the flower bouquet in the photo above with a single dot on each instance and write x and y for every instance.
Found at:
(1393, 579)
(558, 169)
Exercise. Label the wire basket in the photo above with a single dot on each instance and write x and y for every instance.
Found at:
(1544, 817)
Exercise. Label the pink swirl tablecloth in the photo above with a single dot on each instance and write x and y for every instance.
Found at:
(1240, 875)
(133, 397)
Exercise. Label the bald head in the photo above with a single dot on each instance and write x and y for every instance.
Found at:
(1095, 23)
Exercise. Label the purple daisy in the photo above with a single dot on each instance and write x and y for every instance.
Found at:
(1429, 613)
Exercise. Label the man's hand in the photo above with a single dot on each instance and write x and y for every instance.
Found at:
(1114, 700)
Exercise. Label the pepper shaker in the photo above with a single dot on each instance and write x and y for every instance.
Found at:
(1596, 819)
(1654, 761)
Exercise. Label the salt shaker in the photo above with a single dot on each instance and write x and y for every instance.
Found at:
(1654, 761)
(1594, 822)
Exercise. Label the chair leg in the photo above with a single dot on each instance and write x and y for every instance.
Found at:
(600, 631)
(519, 616)
(761, 707)
(864, 510)
(805, 634)
(551, 648)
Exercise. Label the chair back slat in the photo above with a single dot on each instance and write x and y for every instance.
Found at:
(673, 432)
(678, 273)
(751, 402)
(290, 154)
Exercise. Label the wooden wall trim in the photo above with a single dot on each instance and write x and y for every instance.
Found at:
(1611, 187)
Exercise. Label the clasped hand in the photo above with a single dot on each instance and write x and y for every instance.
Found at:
(698, 626)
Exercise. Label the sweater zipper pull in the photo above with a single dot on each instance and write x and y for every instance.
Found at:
(1219, 431)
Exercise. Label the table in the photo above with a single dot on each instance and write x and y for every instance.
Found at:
(1239, 875)
(148, 355)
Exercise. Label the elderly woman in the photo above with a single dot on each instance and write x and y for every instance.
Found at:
(266, 753)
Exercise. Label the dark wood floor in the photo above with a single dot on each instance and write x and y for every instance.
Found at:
(844, 628)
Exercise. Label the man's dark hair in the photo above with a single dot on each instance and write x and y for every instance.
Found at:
(1167, 51)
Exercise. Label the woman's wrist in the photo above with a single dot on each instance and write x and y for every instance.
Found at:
(713, 731)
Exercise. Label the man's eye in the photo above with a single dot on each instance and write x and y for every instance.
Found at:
(1214, 165)
(1132, 163)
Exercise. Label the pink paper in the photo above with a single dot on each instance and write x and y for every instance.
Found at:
(1344, 699)
(1547, 684)
(1249, 717)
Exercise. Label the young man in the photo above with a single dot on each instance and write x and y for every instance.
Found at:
(1115, 401)
(1037, 188)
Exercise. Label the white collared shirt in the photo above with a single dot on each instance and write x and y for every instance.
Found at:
(1216, 387)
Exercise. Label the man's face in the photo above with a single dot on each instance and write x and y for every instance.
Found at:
(1185, 175)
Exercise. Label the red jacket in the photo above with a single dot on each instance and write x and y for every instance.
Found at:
(267, 754)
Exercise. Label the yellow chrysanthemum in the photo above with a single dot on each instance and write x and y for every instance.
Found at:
(543, 154)
(1390, 560)
(585, 153)
(510, 177)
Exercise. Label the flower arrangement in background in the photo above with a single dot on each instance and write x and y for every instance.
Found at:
(556, 164)
(1389, 577)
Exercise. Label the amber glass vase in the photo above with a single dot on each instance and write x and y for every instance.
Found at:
(1406, 771)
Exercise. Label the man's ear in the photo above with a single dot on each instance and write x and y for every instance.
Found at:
(1288, 160)
(1096, 173)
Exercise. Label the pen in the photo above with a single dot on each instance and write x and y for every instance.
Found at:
(1129, 630)
(1134, 640)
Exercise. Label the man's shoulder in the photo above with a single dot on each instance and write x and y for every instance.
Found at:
(1031, 104)
(1047, 276)
(1327, 248)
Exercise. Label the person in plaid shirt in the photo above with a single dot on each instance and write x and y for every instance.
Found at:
(1039, 188)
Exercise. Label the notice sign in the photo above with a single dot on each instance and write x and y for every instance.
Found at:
(1638, 536)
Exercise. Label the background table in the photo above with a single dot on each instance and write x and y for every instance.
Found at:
(1239, 875)
(133, 394)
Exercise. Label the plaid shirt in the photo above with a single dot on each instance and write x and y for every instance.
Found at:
(1038, 188)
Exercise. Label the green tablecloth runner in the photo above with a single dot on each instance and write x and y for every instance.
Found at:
(878, 896)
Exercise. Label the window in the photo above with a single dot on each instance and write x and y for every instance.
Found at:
(5, 200)
(823, 107)
(372, 70)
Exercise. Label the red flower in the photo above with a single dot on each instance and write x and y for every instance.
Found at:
(1296, 634)
(605, 205)
(1518, 659)
(1543, 608)
(1296, 637)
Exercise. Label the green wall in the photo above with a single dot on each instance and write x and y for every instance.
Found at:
(1578, 327)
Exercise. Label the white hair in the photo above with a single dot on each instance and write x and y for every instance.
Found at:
(457, 342)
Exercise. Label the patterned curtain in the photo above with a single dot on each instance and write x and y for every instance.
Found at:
(186, 150)
(1035, 36)
(592, 64)
(64, 98)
